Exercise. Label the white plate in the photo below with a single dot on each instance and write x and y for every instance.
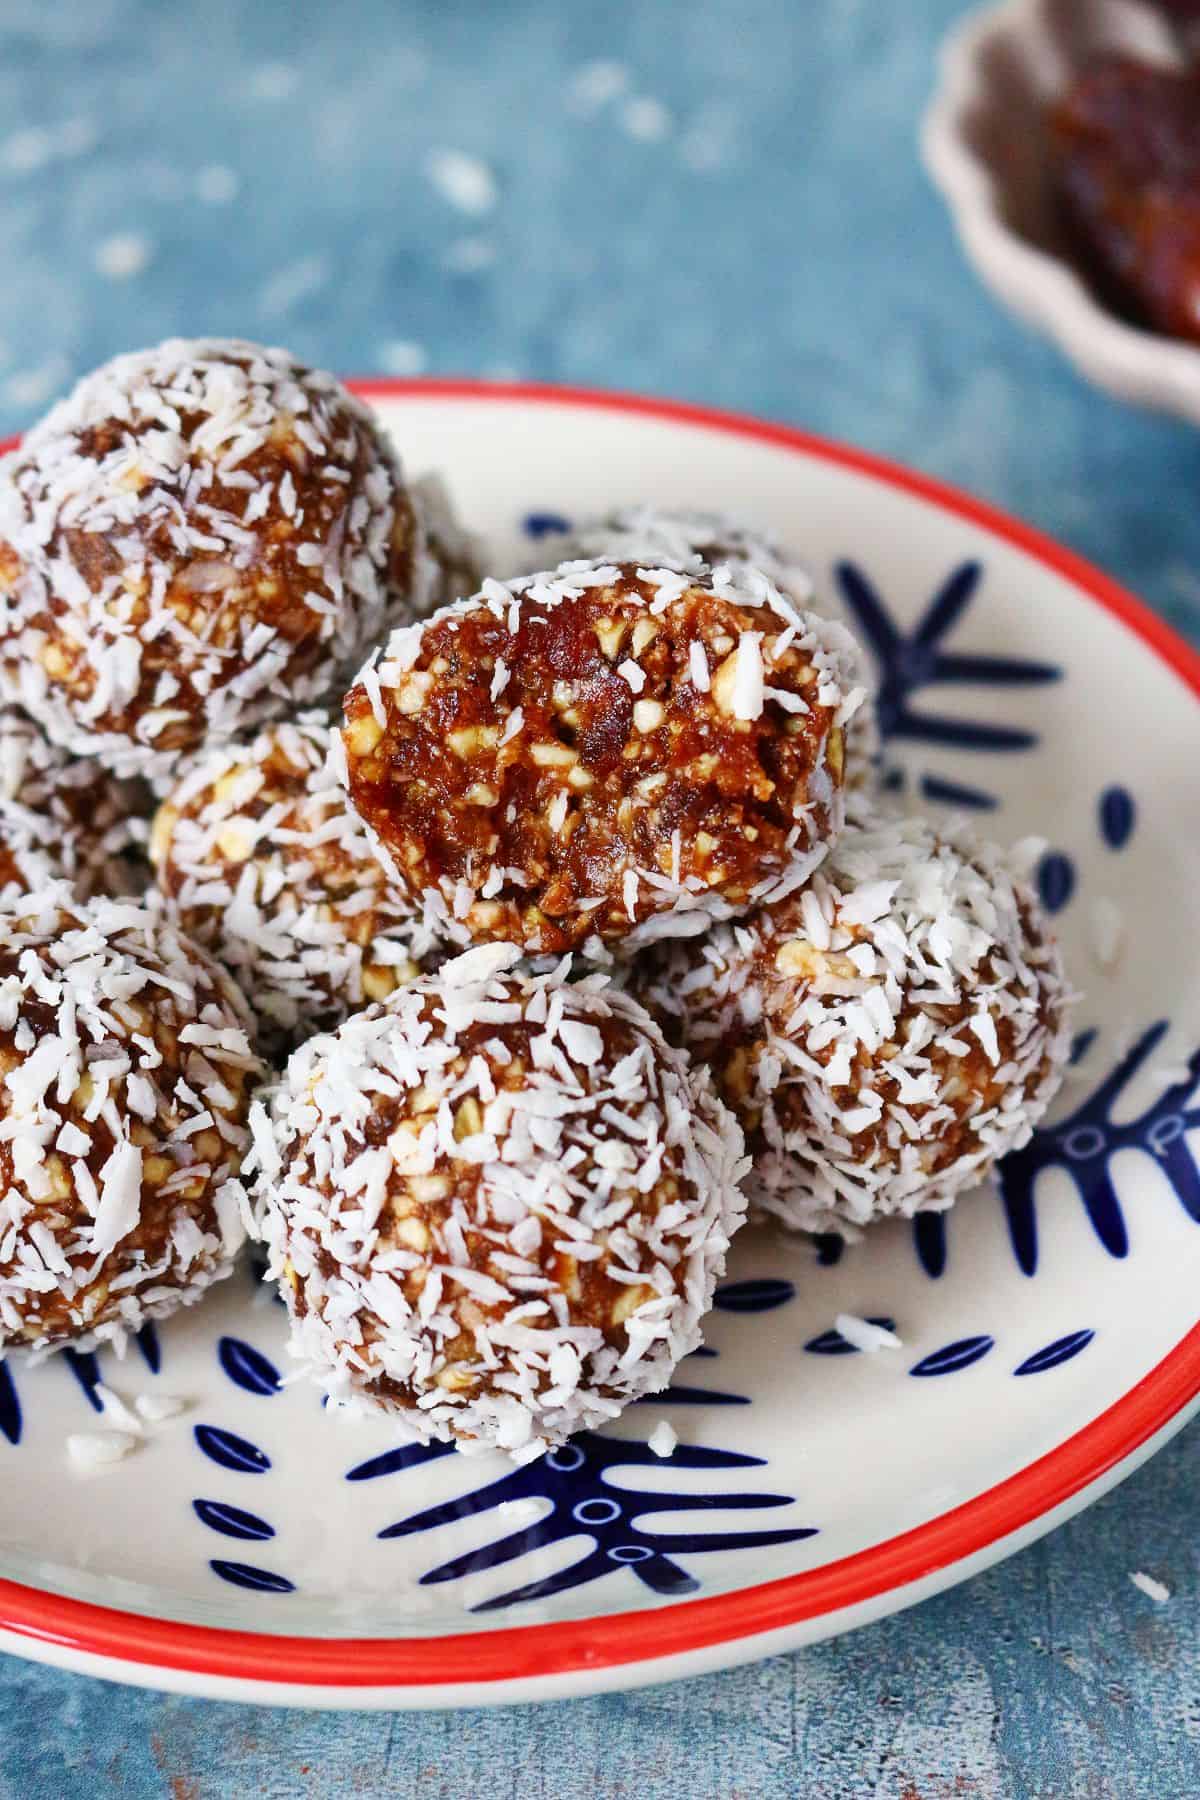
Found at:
(1049, 1332)
(984, 146)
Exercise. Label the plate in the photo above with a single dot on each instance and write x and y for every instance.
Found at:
(984, 146)
(259, 1547)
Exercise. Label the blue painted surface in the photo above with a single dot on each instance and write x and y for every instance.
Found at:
(745, 224)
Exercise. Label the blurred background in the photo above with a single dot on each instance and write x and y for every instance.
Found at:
(722, 203)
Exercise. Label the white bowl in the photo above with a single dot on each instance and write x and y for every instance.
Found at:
(258, 1547)
(983, 142)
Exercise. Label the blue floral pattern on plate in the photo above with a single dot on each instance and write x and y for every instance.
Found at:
(571, 1493)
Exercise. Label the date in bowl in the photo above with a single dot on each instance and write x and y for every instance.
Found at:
(984, 143)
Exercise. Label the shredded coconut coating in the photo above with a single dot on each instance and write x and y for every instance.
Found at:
(496, 1205)
(201, 536)
(883, 1036)
(265, 865)
(454, 552)
(26, 865)
(698, 541)
(125, 1080)
(687, 538)
(604, 752)
(66, 817)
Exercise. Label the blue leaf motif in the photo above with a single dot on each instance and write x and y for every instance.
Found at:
(1118, 814)
(1084, 1144)
(679, 1395)
(830, 1249)
(909, 662)
(1023, 1231)
(576, 1498)
(1055, 880)
(244, 1575)
(959, 1355)
(10, 1406)
(956, 793)
(230, 1451)
(231, 1521)
(929, 1237)
(753, 1296)
(832, 1343)
(86, 1370)
(151, 1349)
(544, 524)
(393, 1462)
(1060, 1351)
(248, 1367)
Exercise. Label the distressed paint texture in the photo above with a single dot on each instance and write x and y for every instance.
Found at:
(721, 203)
(1049, 1676)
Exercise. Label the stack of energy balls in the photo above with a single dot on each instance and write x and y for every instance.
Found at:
(491, 993)
(200, 541)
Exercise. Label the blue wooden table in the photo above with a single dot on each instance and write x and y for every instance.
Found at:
(711, 201)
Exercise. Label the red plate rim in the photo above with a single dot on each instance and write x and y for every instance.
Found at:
(525, 1652)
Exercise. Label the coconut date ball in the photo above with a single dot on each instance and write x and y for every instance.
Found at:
(883, 1036)
(608, 752)
(202, 536)
(453, 551)
(264, 864)
(125, 1078)
(693, 539)
(67, 817)
(26, 865)
(684, 538)
(497, 1204)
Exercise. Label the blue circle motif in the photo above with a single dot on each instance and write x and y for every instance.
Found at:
(1055, 880)
(1118, 814)
(1085, 1141)
(595, 1512)
(1165, 1132)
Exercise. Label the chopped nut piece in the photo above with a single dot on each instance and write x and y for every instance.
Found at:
(412, 693)
(553, 756)
(724, 677)
(413, 1233)
(628, 1301)
(363, 734)
(611, 635)
(797, 957)
(648, 715)
(236, 842)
